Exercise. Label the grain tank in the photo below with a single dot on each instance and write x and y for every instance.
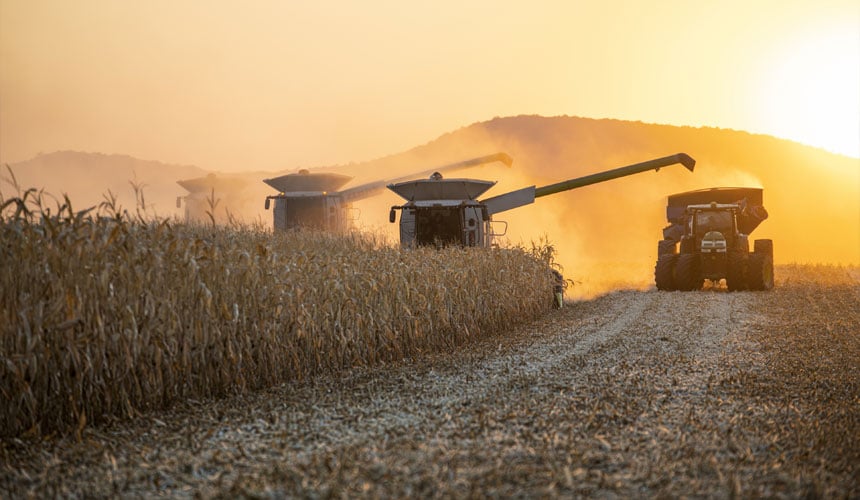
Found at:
(315, 201)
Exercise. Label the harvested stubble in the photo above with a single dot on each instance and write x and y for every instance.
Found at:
(105, 317)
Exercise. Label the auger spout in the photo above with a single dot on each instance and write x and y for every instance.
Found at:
(526, 196)
(656, 164)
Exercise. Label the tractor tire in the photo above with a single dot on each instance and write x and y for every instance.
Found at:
(760, 273)
(687, 245)
(736, 272)
(666, 247)
(688, 273)
(764, 247)
(664, 272)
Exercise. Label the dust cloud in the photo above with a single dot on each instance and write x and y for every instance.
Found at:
(606, 234)
(145, 187)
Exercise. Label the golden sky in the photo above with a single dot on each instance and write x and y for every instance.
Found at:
(283, 84)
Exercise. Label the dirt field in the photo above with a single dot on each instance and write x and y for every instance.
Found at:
(632, 394)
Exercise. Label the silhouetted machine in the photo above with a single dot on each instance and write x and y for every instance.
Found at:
(708, 239)
(207, 193)
(442, 211)
(312, 200)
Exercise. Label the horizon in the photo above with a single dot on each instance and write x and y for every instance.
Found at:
(395, 153)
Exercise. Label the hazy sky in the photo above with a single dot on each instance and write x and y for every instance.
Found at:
(275, 85)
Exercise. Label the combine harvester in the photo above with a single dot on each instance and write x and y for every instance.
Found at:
(447, 211)
(440, 212)
(205, 193)
(312, 200)
(708, 239)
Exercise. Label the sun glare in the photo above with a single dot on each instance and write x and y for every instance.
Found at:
(811, 92)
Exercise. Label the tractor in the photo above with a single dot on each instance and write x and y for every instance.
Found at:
(708, 239)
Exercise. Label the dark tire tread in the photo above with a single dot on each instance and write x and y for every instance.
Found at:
(664, 272)
(688, 275)
(736, 273)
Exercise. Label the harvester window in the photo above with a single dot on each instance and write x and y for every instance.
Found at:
(306, 213)
(438, 226)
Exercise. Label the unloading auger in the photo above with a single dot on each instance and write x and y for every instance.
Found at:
(441, 211)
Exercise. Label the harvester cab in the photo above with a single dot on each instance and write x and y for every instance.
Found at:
(440, 212)
(315, 201)
(708, 239)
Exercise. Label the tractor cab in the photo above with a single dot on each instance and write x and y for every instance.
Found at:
(714, 235)
(713, 227)
(720, 219)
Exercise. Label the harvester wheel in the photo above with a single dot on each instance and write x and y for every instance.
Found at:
(736, 272)
(664, 272)
(666, 246)
(760, 271)
(688, 273)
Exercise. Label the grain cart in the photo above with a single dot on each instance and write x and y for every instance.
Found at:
(708, 239)
(312, 200)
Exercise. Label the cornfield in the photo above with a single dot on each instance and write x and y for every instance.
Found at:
(105, 315)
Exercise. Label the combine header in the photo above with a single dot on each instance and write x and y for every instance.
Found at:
(312, 200)
(708, 239)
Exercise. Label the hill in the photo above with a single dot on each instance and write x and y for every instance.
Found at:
(88, 177)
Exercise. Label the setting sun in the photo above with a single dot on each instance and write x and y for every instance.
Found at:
(811, 90)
